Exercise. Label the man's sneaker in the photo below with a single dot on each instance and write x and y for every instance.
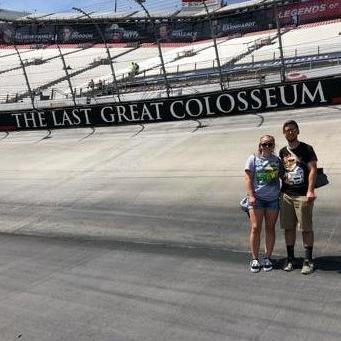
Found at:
(307, 268)
(289, 266)
(266, 263)
(255, 265)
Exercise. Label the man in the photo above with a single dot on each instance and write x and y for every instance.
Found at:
(299, 160)
(134, 69)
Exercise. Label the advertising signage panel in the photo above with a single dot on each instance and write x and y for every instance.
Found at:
(309, 11)
(200, 106)
(171, 31)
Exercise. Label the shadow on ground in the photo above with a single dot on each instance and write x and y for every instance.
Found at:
(326, 263)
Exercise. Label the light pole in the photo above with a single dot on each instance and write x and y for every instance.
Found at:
(67, 76)
(140, 2)
(107, 49)
(279, 34)
(215, 45)
(31, 94)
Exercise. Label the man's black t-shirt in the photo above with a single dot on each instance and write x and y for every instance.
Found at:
(295, 180)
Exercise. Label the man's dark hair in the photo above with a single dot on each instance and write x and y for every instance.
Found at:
(290, 122)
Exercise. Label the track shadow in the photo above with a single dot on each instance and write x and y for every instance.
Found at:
(326, 263)
(329, 263)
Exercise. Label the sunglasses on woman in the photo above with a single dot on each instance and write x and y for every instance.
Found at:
(267, 144)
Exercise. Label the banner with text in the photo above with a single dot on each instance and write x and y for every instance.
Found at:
(299, 94)
(224, 24)
(309, 11)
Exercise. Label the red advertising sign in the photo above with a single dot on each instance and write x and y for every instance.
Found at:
(309, 11)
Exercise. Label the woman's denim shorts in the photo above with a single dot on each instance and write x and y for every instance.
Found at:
(260, 204)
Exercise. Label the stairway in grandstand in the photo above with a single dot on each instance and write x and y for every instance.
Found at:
(305, 40)
(35, 61)
(256, 45)
(185, 63)
(172, 53)
(94, 64)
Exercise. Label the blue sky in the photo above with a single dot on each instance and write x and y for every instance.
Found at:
(46, 6)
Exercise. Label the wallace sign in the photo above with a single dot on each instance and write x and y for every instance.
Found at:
(247, 100)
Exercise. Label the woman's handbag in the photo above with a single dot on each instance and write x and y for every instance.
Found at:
(244, 205)
(321, 178)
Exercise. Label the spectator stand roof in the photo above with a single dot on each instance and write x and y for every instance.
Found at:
(185, 12)
(156, 14)
(10, 15)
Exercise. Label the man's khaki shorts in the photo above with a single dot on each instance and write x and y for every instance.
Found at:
(296, 212)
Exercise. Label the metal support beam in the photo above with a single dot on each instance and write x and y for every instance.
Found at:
(140, 2)
(215, 46)
(67, 76)
(115, 85)
(279, 34)
(31, 94)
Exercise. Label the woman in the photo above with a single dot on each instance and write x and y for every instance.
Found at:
(263, 189)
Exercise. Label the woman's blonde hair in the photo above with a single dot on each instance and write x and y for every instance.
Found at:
(270, 137)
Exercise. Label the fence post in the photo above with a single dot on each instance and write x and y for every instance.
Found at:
(215, 46)
(31, 93)
(279, 34)
(140, 2)
(67, 75)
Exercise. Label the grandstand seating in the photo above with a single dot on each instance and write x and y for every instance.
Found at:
(184, 58)
(312, 39)
(88, 62)
(121, 65)
(228, 49)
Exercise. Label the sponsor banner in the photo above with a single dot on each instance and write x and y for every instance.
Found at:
(248, 22)
(65, 34)
(113, 33)
(173, 31)
(238, 26)
(120, 33)
(299, 94)
(133, 32)
(182, 32)
(69, 34)
(26, 34)
(309, 11)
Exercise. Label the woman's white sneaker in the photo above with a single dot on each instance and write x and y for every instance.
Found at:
(255, 266)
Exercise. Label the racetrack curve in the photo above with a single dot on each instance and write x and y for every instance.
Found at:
(169, 183)
(135, 233)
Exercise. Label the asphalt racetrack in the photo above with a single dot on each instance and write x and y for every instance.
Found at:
(135, 233)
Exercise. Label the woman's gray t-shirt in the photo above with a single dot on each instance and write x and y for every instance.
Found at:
(265, 173)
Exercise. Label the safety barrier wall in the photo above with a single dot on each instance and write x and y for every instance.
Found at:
(241, 101)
